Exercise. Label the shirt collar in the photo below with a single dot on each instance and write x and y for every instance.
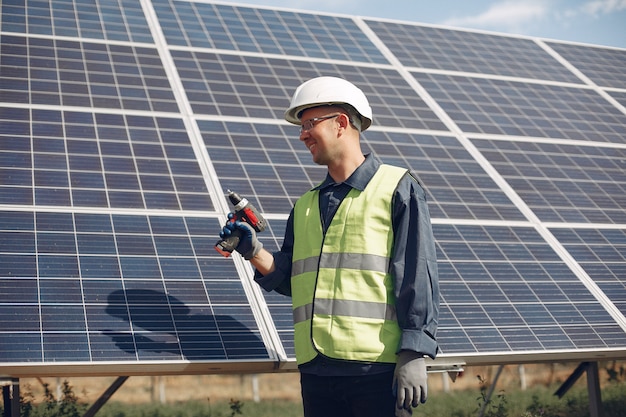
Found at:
(359, 178)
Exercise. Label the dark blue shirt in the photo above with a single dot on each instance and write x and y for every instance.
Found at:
(413, 266)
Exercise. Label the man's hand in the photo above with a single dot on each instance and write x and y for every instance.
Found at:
(410, 382)
(248, 245)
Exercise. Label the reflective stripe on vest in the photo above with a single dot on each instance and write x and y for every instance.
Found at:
(351, 308)
(342, 260)
(343, 302)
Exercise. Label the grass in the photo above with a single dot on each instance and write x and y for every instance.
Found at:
(535, 402)
(204, 409)
(538, 401)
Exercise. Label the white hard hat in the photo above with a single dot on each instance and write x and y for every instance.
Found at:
(328, 91)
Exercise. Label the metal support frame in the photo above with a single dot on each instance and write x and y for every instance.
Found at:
(492, 388)
(105, 396)
(11, 397)
(593, 386)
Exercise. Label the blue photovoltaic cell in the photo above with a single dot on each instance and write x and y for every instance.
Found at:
(455, 50)
(479, 105)
(117, 20)
(501, 283)
(619, 96)
(602, 254)
(84, 268)
(245, 29)
(79, 73)
(604, 66)
(82, 159)
(563, 183)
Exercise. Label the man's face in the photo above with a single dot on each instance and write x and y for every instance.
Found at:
(319, 133)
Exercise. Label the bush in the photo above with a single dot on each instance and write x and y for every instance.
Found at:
(535, 402)
(67, 406)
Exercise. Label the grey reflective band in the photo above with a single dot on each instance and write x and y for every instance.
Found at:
(302, 313)
(304, 265)
(361, 261)
(350, 308)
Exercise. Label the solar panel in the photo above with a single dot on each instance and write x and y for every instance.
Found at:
(514, 108)
(602, 254)
(562, 182)
(122, 124)
(226, 27)
(461, 51)
(601, 65)
(505, 290)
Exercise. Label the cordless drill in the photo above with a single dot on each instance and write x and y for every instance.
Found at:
(243, 211)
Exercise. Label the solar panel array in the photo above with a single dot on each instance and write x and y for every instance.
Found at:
(123, 122)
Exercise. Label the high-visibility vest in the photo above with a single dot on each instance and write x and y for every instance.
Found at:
(342, 291)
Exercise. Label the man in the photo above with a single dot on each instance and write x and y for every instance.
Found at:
(359, 261)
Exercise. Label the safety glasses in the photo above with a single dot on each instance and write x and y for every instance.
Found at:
(310, 123)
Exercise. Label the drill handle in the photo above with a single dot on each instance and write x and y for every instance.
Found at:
(226, 246)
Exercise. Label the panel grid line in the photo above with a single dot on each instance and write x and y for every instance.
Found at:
(123, 123)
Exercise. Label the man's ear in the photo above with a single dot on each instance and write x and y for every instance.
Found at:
(344, 120)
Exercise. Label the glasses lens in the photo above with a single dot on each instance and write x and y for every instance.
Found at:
(310, 123)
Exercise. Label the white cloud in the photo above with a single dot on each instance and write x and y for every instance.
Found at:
(600, 7)
(507, 14)
(594, 9)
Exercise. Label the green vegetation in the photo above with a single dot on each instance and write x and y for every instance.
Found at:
(233, 408)
(535, 402)
(68, 406)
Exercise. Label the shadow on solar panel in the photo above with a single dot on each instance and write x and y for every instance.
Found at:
(159, 325)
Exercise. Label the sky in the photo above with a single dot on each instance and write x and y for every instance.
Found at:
(598, 22)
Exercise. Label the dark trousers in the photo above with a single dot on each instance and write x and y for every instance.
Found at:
(345, 396)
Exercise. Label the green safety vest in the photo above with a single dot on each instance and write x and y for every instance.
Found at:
(342, 291)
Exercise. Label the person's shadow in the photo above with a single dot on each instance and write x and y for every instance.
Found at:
(161, 326)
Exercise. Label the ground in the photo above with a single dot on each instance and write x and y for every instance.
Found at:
(281, 386)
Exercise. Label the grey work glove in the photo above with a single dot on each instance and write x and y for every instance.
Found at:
(410, 382)
(248, 245)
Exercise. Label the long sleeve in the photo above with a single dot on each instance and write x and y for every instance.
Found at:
(280, 279)
(414, 267)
